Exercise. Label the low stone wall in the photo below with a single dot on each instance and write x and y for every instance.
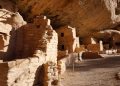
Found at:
(93, 47)
(91, 55)
(19, 72)
(24, 72)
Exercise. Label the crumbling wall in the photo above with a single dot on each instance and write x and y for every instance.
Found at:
(40, 40)
(37, 38)
(23, 72)
(62, 66)
(49, 75)
(36, 51)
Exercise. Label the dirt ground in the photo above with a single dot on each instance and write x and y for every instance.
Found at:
(99, 72)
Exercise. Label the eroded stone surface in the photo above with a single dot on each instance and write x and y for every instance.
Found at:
(86, 16)
(38, 54)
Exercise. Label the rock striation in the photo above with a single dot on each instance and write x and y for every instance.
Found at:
(87, 16)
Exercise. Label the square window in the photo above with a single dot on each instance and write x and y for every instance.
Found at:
(0, 7)
(62, 47)
(38, 26)
(62, 34)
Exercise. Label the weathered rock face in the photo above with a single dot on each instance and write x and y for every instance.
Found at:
(9, 22)
(8, 5)
(87, 16)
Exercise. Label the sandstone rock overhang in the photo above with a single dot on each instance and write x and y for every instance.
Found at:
(87, 16)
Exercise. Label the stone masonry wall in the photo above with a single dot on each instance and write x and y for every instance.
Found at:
(67, 38)
(36, 46)
(37, 37)
(22, 72)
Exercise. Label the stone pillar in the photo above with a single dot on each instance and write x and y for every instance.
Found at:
(101, 45)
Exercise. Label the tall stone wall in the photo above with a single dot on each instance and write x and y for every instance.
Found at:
(37, 38)
(67, 39)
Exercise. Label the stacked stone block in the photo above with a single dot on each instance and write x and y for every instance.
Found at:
(19, 72)
(51, 74)
(36, 49)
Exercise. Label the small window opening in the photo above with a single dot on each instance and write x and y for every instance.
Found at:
(62, 34)
(62, 47)
(29, 9)
(0, 7)
(117, 44)
(38, 26)
(117, 10)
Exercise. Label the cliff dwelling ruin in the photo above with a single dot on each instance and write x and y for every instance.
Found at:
(59, 43)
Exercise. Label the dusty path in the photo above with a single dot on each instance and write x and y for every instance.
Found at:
(100, 72)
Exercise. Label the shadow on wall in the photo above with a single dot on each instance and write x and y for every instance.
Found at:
(10, 55)
(3, 74)
(8, 5)
(39, 76)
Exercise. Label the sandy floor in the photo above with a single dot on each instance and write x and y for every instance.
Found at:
(99, 72)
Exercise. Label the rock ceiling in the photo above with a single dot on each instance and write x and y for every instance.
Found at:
(87, 16)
